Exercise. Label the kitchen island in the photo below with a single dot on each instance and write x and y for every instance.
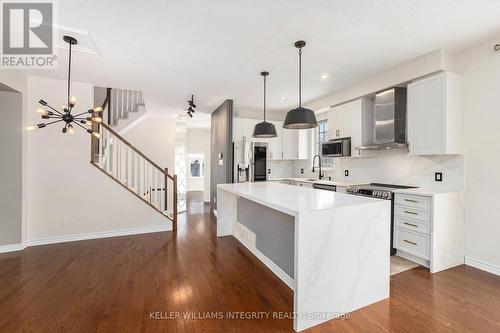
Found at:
(331, 249)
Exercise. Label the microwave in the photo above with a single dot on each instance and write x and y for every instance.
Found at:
(336, 148)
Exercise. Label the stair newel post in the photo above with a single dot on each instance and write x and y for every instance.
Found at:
(174, 222)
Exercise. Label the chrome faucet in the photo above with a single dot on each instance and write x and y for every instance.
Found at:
(319, 166)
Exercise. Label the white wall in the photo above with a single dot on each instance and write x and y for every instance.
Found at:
(63, 184)
(18, 80)
(11, 166)
(198, 142)
(480, 67)
(156, 139)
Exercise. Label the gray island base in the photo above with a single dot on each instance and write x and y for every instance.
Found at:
(331, 249)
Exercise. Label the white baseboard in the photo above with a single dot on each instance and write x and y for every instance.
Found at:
(12, 247)
(266, 261)
(482, 265)
(94, 235)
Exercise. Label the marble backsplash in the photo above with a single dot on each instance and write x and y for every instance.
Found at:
(395, 167)
(280, 169)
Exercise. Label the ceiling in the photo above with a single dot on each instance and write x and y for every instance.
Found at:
(216, 49)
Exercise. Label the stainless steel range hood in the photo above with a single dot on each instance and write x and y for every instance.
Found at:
(389, 120)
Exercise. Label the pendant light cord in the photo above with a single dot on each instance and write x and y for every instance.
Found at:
(300, 77)
(264, 98)
(69, 73)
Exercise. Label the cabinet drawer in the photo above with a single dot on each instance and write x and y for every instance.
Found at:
(413, 225)
(412, 213)
(412, 243)
(414, 201)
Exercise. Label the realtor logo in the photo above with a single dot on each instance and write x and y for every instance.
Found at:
(28, 35)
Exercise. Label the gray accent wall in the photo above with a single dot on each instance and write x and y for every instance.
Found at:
(274, 232)
(221, 143)
(11, 141)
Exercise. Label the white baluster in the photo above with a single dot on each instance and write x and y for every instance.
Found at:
(107, 155)
(122, 104)
(150, 182)
(115, 157)
(158, 186)
(100, 145)
(114, 105)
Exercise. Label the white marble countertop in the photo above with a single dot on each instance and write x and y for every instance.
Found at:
(425, 191)
(327, 182)
(293, 199)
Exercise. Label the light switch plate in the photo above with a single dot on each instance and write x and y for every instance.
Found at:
(438, 176)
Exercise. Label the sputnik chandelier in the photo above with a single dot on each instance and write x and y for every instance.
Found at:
(81, 119)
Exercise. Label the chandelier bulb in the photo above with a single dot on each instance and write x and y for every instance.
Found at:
(72, 101)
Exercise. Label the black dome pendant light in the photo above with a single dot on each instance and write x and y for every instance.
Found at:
(300, 118)
(264, 129)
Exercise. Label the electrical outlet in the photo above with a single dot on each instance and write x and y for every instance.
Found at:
(268, 171)
(64, 220)
(438, 176)
(346, 173)
(302, 171)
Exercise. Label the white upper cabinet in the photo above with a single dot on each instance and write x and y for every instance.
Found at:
(288, 145)
(289, 138)
(275, 145)
(340, 121)
(304, 138)
(435, 115)
(354, 120)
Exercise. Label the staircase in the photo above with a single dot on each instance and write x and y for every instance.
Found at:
(129, 167)
(124, 107)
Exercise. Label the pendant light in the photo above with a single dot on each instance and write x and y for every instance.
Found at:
(300, 118)
(65, 116)
(264, 129)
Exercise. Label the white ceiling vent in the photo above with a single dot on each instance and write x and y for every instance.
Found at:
(85, 44)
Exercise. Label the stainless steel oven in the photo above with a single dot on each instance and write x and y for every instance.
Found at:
(336, 148)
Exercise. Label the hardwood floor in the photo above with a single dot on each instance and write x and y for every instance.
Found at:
(135, 283)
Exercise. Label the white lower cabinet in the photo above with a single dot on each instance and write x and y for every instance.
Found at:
(429, 229)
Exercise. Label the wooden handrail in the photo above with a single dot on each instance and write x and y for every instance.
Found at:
(136, 150)
(94, 141)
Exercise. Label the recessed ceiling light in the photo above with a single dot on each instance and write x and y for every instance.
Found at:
(283, 98)
(324, 76)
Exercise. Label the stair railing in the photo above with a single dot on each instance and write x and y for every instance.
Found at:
(129, 167)
(121, 101)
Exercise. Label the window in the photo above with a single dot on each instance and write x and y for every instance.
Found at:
(196, 165)
(322, 136)
(323, 131)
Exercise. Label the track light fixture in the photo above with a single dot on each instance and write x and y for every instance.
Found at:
(65, 115)
(192, 107)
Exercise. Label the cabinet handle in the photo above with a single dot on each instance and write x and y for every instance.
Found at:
(413, 213)
(410, 242)
(411, 224)
(410, 200)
